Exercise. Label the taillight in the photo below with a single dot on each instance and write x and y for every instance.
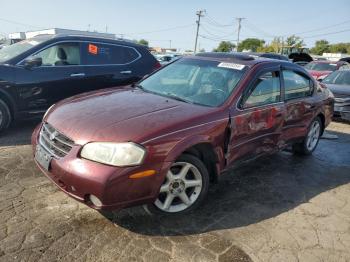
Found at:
(157, 66)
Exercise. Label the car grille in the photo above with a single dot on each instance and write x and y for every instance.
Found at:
(57, 144)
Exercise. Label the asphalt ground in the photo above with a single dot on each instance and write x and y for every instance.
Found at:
(279, 208)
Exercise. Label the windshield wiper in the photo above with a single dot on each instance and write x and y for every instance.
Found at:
(138, 86)
(173, 96)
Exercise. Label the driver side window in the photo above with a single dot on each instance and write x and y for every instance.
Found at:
(60, 55)
(267, 90)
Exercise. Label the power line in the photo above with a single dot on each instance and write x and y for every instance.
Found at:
(214, 35)
(215, 39)
(330, 33)
(163, 30)
(215, 23)
(257, 30)
(18, 23)
(322, 28)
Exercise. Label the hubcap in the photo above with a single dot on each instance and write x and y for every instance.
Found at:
(181, 188)
(313, 136)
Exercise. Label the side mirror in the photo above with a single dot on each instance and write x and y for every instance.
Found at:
(33, 62)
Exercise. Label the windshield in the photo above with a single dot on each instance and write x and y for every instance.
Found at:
(338, 78)
(207, 83)
(14, 50)
(321, 66)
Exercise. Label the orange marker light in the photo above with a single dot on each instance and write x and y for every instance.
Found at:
(93, 49)
(143, 174)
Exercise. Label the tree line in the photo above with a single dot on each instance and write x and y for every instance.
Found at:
(260, 45)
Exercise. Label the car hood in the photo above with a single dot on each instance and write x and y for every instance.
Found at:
(339, 89)
(123, 115)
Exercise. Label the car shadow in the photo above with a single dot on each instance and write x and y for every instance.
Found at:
(264, 189)
(19, 133)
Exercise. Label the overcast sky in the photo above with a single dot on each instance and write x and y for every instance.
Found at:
(161, 21)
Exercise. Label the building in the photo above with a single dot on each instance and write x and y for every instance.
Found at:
(162, 50)
(19, 36)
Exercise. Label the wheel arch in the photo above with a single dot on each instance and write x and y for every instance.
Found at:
(9, 102)
(202, 148)
(323, 122)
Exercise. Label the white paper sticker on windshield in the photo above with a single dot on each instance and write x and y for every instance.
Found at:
(231, 66)
(333, 64)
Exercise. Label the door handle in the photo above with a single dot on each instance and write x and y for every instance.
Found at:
(127, 72)
(77, 75)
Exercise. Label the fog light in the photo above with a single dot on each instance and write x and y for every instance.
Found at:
(95, 201)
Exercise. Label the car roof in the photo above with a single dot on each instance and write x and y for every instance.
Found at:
(89, 38)
(327, 62)
(237, 57)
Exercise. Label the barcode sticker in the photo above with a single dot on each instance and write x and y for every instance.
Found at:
(231, 66)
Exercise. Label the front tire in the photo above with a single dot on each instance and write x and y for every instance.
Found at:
(184, 188)
(310, 142)
(5, 116)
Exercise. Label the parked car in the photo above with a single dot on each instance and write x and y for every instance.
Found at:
(269, 55)
(301, 63)
(162, 141)
(167, 58)
(38, 72)
(320, 69)
(339, 83)
(346, 59)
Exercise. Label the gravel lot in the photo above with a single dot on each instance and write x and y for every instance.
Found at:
(281, 208)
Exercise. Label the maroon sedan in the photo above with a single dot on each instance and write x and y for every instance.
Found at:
(163, 141)
(320, 69)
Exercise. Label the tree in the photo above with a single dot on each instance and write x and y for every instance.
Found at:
(321, 46)
(251, 44)
(225, 46)
(294, 41)
(342, 48)
(143, 42)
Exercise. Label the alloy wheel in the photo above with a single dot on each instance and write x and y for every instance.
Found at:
(313, 135)
(181, 188)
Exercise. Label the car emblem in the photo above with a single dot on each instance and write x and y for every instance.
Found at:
(53, 135)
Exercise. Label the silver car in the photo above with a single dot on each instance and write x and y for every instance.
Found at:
(339, 83)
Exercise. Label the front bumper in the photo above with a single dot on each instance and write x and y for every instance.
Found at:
(342, 108)
(80, 178)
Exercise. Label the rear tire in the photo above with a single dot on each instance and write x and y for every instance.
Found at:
(310, 142)
(5, 116)
(185, 187)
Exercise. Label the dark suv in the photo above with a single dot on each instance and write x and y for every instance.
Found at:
(38, 72)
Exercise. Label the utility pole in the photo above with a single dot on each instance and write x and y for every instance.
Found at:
(170, 44)
(239, 19)
(199, 13)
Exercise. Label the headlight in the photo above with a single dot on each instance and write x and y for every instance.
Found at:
(47, 111)
(115, 154)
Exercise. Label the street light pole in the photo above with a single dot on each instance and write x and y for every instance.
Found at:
(199, 13)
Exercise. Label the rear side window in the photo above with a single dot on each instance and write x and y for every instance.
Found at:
(108, 54)
(296, 85)
(266, 90)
